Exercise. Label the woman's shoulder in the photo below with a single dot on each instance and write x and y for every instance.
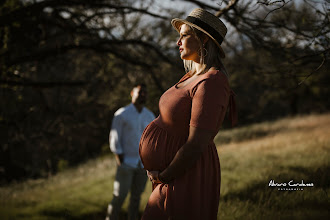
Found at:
(213, 77)
(215, 74)
(212, 80)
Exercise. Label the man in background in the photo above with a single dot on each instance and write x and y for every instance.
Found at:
(126, 130)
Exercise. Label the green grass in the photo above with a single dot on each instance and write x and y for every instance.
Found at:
(288, 149)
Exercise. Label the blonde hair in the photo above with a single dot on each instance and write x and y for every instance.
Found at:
(209, 54)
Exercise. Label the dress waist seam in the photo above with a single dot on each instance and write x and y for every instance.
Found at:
(168, 131)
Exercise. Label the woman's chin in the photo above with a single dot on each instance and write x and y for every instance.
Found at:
(183, 57)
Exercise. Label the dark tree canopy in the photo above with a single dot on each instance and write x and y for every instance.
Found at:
(66, 66)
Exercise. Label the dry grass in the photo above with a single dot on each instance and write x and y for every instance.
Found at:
(296, 149)
(291, 148)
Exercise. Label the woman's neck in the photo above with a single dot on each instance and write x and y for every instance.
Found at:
(202, 68)
(199, 68)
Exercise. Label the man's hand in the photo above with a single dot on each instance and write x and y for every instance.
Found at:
(119, 159)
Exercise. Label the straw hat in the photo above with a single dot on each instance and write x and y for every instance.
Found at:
(205, 22)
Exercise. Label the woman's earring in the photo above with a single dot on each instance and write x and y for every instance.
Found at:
(204, 54)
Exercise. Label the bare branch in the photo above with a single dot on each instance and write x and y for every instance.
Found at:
(314, 71)
(100, 46)
(19, 14)
(202, 4)
(283, 1)
(230, 5)
(270, 3)
(27, 83)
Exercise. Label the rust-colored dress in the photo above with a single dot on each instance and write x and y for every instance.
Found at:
(195, 195)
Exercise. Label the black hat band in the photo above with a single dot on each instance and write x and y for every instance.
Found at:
(206, 27)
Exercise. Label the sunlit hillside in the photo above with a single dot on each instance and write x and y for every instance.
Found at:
(286, 150)
(290, 149)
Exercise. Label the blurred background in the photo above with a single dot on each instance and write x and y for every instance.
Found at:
(67, 66)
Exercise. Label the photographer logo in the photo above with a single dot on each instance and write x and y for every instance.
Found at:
(290, 186)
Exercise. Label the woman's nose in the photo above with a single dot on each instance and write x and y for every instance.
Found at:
(179, 42)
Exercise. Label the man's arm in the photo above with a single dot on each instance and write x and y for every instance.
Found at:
(115, 139)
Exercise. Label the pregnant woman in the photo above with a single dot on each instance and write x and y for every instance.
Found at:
(177, 148)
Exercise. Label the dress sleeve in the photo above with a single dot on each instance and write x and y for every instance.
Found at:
(209, 103)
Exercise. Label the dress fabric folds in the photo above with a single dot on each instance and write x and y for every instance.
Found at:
(195, 195)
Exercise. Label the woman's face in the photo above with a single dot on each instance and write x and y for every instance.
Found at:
(188, 44)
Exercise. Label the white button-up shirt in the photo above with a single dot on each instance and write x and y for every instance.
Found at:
(127, 127)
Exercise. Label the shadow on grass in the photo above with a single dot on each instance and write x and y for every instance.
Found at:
(258, 131)
(66, 214)
(311, 201)
(248, 133)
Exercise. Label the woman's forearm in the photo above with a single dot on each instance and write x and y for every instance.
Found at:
(184, 159)
(187, 155)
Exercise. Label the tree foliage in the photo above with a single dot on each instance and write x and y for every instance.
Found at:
(66, 66)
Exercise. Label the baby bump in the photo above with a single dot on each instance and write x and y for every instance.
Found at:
(157, 147)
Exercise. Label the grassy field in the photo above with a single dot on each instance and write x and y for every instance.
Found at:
(296, 149)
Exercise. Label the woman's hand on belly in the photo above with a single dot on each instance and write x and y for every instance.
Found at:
(188, 154)
(153, 176)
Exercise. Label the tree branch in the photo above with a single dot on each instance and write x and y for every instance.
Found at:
(230, 5)
(283, 1)
(202, 4)
(21, 13)
(42, 84)
(101, 46)
(314, 71)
